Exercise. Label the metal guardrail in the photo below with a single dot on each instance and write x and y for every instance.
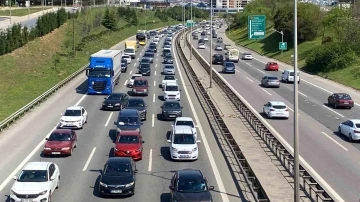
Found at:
(251, 180)
(274, 141)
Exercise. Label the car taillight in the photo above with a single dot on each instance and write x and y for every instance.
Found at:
(272, 109)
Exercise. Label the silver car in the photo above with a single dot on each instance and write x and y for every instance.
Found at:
(168, 69)
(270, 81)
(218, 47)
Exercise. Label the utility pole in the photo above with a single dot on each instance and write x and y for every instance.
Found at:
(184, 24)
(211, 28)
(74, 50)
(191, 29)
(29, 9)
(10, 10)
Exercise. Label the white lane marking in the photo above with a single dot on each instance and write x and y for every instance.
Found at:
(266, 91)
(134, 64)
(328, 136)
(89, 159)
(107, 121)
(155, 65)
(155, 73)
(237, 70)
(81, 99)
(248, 64)
(302, 94)
(156, 59)
(249, 79)
(130, 72)
(157, 55)
(260, 70)
(317, 86)
(137, 59)
(203, 137)
(125, 82)
(150, 160)
(153, 120)
(333, 111)
(154, 83)
(154, 97)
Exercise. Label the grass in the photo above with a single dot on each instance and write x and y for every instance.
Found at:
(269, 46)
(20, 11)
(31, 70)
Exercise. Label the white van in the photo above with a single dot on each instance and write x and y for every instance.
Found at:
(171, 91)
(288, 76)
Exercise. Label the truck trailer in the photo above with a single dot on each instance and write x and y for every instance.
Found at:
(104, 71)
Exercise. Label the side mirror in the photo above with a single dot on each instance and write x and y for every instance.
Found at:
(180, 89)
(282, 73)
(172, 125)
(182, 107)
(136, 171)
(264, 105)
(100, 171)
(171, 187)
(114, 141)
(162, 107)
(142, 123)
(169, 141)
(104, 98)
(61, 114)
(211, 188)
(143, 141)
(14, 177)
(115, 123)
(196, 126)
(46, 138)
(146, 105)
(198, 141)
(52, 178)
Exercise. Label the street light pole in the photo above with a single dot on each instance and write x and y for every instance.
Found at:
(183, 31)
(282, 39)
(184, 24)
(211, 28)
(191, 27)
(74, 50)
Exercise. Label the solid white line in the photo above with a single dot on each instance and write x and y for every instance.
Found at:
(89, 159)
(333, 111)
(130, 72)
(265, 91)
(150, 160)
(154, 97)
(302, 94)
(249, 79)
(335, 141)
(107, 121)
(81, 99)
(125, 82)
(204, 140)
(155, 73)
(154, 83)
(260, 70)
(153, 120)
(317, 86)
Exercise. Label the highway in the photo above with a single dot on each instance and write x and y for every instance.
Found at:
(79, 173)
(328, 153)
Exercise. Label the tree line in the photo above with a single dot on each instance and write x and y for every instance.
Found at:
(176, 13)
(338, 28)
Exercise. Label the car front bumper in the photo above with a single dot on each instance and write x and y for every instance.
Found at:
(116, 191)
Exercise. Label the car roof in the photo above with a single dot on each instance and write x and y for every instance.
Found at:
(128, 112)
(36, 166)
(136, 75)
(141, 79)
(116, 160)
(68, 131)
(190, 174)
(74, 108)
(277, 103)
(184, 119)
(229, 63)
(129, 132)
(172, 83)
(183, 130)
(355, 120)
(136, 99)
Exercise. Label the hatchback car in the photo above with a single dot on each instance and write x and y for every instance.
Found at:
(351, 129)
(144, 69)
(183, 144)
(128, 119)
(270, 81)
(60, 142)
(229, 67)
(338, 100)
(272, 66)
(118, 177)
(127, 58)
(115, 101)
(129, 144)
(201, 46)
(246, 56)
(73, 117)
(166, 51)
(189, 185)
(196, 37)
(206, 38)
(138, 104)
(168, 70)
(276, 109)
(168, 59)
(141, 86)
(171, 91)
(218, 47)
(171, 110)
(227, 47)
(218, 59)
(124, 66)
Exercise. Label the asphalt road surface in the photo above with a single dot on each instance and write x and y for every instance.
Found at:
(330, 154)
(79, 173)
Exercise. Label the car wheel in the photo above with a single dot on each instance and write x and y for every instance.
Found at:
(339, 130)
(350, 138)
(58, 183)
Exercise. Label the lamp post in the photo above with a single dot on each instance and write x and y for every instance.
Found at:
(10, 10)
(184, 24)
(211, 35)
(282, 38)
(191, 27)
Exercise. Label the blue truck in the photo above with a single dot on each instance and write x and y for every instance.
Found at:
(104, 71)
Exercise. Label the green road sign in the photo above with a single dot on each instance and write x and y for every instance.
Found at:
(256, 26)
(190, 23)
(282, 45)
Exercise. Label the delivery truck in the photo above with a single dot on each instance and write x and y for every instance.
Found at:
(233, 55)
(131, 48)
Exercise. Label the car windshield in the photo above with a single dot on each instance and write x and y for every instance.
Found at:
(128, 139)
(272, 78)
(184, 139)
(167, 46)
(172, 88)
(169, 78)
(123, 64)
(185, 123)
(169, 67)
(191, 185)
(148, 55)
(99, 73)
(166, 51)
(230, 65)
(140, 83)
(145, 66)
(72, 113)
(129, 50)
(118, 169)
(33, 176)
(114, 97)
(145, 60)
(279, 107)
(168, 57)
(293, 73)
(136, 103)
(59, 137)
(172, 105)
(218, 46)
(152, 47)
(123, 61)
(128, 121)
(344, 97)
(125, 56)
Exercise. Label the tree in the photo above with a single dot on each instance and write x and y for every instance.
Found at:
(109, 20)
(134, 18)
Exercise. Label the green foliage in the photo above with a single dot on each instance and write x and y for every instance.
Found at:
(110, 19)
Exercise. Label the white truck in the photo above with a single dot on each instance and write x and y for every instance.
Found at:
(233, 55)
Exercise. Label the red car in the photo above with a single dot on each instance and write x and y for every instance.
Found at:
(338, 100)
(272, 66)
(60, 142)
(129, 144)
(141, 86)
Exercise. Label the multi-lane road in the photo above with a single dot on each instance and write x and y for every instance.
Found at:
(328, 153)
(79, 173)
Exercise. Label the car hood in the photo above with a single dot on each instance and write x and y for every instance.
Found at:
(144, 69)
(71, 118)
(192, 197)
(30, 187)
(111, 101)
(172, 109)
(171, 92)
(138, 108)
(58, 144)
(126, 147)
(184, 147)
(116, 180)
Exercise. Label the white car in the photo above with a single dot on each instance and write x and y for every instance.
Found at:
(166, 79)
(155, 42)
(156, 38)
(277, 109)
(171, 91)
(246, 56)
(132, 79)
(36, 182)
(218, 47)
(167, 47)
(201, 46)
(183, 144)
(127, 58)
(185, 121)
(73, 117)
(289, 76)
(206, 38)
(351, 129)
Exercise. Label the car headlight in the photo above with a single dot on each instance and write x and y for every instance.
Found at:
(115, 149)
(178, 94)
(103, 104)
(195, 149)
(117, 104)
(164, 111)
(65, 148)
(139, 149)
(47, 148)
(62, 120)
(78, 120)
(145, 90)
(102, 184)
(130, 184)
(174, 149)
(43, 192)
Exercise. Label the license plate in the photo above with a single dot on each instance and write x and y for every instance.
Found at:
(55, 153)
(172, 115)
(184, 156)
(26, 200)
(278, 114)
(116, 191)
(346, 103)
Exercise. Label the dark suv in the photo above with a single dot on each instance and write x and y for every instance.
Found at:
(218, 59)
(128, 119)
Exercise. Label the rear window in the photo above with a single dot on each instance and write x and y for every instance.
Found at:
(279, 107)
(230, 65)
(148, 55)
(357, 125)
(344, 97)
(169, 67)
(273, 78)
(293, 73)
(140, 83)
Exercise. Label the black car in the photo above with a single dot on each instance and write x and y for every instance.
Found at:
(218, 59)
(144, 69)
(201, 41)
(171, 110)
(190, 185)
(168, 59)
(115, 101)
(152, 33)
(149, 55)
(118, 177)
(165, 51)
(140, 105)
(145, 60)
(124, 67)
(153, 44)
(153, 48)
(128, 119)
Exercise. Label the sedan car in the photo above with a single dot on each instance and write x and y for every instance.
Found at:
(138, 104)
(37, 181)
(276, 109)
(118, 177)
(272, 66)
(153, 48)
(351, 129)
(201, 46)
(60, 142)
(196, 37)
(189, 185)
(115, 101)
(132, 79)
(73, 117)
(270, 81)
(168, 59)
(144, 69)
(219, 40)
(168, 78)
(229, 67)
(246, 56)
(124, 66)
(171, 110)
(129, 143)
(150, 56)
(338, 100)
(127, 58)
(218, 47)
